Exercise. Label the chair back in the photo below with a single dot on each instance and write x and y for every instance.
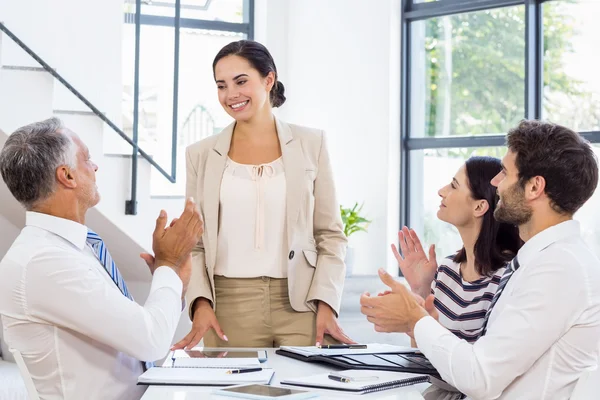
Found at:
(31, 391)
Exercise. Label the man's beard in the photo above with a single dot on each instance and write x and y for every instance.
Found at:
(513, 209)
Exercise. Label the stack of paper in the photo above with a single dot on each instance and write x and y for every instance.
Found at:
(202, 377)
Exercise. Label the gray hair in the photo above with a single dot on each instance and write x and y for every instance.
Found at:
(30, 157)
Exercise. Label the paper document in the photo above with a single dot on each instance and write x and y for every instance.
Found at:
(202, 376)
(360, 381)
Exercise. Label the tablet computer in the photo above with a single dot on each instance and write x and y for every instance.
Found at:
(224, 353)
(261, 355)
(265, 392)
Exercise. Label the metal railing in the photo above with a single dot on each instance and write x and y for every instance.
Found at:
(189, 132)
(130, 207)
(198, 125)
(177, 23)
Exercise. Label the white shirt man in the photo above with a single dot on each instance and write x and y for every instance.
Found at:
(63, 302)
(81, 338)
(557, 272)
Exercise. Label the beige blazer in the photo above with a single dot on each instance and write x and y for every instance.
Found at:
(315, 238)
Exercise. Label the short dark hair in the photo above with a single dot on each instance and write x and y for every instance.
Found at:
(259, 57)
(497, 242)
(30, 157)
(561, 156)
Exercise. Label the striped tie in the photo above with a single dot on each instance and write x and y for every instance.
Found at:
(514, 265)
(97, 245)
(106, 260)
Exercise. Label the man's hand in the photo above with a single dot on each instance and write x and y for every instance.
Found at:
(204, 319)
(397, 311)
(149, 258)
(185, 271)
(328, 323)
(429, 306)
(418, 270)
(172, 246)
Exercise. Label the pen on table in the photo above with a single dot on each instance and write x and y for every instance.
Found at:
(243, 371)
(343, 346)
(339, 378)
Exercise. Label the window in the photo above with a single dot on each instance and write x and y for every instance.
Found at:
(176, 97)
(571, 60)
(589, 217)
(207, 10)
(468, 73)
(471, 71)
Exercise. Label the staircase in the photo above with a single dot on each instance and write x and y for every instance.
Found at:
(28, 93)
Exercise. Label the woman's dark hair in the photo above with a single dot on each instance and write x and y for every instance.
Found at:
(498, 242)
(259, 57)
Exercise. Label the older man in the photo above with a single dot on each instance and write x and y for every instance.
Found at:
(543, 324)
(63, 302)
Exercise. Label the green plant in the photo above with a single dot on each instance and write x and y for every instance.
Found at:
(353, 221)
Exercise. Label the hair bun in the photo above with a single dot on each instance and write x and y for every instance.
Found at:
(277, 94)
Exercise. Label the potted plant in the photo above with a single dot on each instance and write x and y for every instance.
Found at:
(353, 222)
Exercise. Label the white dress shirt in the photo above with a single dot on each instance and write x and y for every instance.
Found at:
(543, 332)
(81, 338)
(251, 238)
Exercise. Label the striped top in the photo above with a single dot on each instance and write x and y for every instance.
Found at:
(462, 305)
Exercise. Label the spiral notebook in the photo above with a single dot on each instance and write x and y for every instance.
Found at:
(361, 381)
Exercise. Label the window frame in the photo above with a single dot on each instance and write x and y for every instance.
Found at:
(138, 19)
(534, 67)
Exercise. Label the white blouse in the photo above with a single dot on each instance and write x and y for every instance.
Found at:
(251, 238)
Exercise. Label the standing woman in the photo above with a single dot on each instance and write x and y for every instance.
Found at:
(269, 269)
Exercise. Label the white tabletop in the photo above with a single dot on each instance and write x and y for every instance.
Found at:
(285, 368)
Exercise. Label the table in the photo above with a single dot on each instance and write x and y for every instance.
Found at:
(286, 368)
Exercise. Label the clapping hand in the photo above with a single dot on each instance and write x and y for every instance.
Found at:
(397, 310)
(418, 270)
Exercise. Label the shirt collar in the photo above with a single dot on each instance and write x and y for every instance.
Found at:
(69, 230)
(545, 238)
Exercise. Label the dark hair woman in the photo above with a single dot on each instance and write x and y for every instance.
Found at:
(464, 284)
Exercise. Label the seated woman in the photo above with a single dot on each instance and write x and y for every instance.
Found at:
(463, 285)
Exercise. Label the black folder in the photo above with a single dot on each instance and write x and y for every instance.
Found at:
(413, 362)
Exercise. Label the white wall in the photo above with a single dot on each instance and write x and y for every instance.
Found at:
(339, 62)
(9, 234)
(79, 38)
(82, 41)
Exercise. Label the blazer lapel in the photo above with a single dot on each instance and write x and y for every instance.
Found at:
(215, 165)
(293, 163)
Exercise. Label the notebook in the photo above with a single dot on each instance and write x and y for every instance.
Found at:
(205, 358)
(202, 377)
(362, 381)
